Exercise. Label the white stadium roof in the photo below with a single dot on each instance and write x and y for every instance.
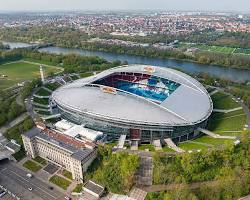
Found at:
(188, 104)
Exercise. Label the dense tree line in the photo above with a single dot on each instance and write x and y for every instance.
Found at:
(9, 110)
(114, 171)
(227, 60)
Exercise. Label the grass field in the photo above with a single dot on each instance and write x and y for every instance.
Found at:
(40, 160)
(226, 123)
(17, 72)
(59, 181)
(167, 149)
(78, 188)
(67, 174)
(192, 146)
(32, 166)
(204, 142)
(224, 101)
(219, 49)
(213, 141)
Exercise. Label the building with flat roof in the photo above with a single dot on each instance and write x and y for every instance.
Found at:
(59, 150)
(78, 131)
(145, 103)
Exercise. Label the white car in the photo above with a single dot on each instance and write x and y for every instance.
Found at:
(29, 175)
(30, 188)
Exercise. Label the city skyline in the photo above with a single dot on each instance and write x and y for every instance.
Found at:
(195, 5)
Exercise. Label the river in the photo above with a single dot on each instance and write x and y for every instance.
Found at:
(229, 73)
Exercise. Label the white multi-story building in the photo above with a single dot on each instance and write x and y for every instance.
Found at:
(60, 152)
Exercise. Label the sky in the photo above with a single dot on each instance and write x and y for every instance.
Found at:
(204, 5)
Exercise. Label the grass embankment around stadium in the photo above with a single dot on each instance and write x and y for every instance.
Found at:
(229, 124)
(19, 71)
(222, 100)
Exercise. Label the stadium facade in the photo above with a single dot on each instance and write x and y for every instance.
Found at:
(143, 102)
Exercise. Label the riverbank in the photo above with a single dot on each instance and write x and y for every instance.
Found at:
(233, 74)
(148, 52)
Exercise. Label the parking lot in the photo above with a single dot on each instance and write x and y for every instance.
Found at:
(14, 179)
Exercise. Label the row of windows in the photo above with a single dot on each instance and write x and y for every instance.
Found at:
(54, 154)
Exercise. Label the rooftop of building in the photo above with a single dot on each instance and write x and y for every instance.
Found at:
(94, 187)
(76, 153)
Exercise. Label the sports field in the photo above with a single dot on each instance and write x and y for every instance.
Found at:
(219, 49)
(19, 71)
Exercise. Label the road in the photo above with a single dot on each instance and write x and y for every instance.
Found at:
(14, 179)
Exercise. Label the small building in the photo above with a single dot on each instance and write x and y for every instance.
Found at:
(77, 131)
(13, 146)
(93, 189)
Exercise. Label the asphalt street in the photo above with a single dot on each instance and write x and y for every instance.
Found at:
(15, 180)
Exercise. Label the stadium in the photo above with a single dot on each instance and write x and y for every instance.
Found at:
(145, 103)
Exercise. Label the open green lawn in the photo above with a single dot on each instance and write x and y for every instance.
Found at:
(223, 101)
(78, 188)
(59, 181)
(204, 142)
(192, 146)
(219, 49)
(143, 147)
(233, 121)
(167, 149)
(40, 160)
(213, 141)
(67, 174)
(32, 166)
(19, 71)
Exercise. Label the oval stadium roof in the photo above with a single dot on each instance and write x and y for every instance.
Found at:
(188, 104)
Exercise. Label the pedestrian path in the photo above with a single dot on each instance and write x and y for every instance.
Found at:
(145, 172)
(173, 146)
(211, 134)
(227, 111)
(213, 92)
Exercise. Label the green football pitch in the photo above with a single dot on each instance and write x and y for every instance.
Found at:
(17, 72)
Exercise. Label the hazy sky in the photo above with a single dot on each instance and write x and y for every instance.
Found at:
(230, 5)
